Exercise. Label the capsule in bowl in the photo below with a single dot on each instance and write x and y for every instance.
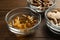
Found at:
(40, 5)
(22, 21)
(53, 19)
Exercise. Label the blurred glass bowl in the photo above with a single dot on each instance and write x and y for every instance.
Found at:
(37, 9)
(54, 28)
(22, 10)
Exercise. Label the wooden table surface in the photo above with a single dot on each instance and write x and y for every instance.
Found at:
(43, 33)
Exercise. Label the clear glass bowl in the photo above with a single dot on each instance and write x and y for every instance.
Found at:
(54, 28)
(22, 10)
(36, 9)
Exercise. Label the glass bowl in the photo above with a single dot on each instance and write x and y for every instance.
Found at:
(40, 8)
(54, 28)
(17, 12)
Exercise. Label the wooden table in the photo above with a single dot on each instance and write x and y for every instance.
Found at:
(43, 33)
